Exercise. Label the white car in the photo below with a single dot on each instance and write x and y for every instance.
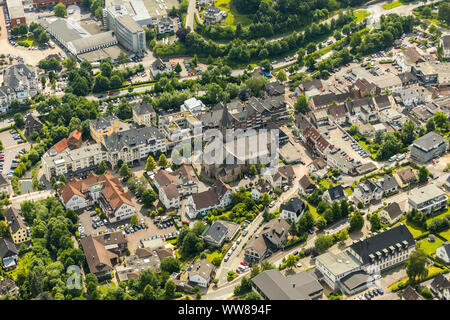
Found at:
(299, 265)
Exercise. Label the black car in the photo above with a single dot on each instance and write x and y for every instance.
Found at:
(93, 214)
(368, 297)
(375, 292)
(94, 225)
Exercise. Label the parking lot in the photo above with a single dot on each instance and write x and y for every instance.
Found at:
(11, 151)
(336, 137)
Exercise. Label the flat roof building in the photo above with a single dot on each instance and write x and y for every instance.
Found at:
(427, 147)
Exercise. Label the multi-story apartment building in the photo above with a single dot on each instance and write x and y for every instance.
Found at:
(18, 228)
(179, 126)
(133, 145)
(144, 114)
(368, 191)
(104, 190)
(427, 199)
(69, 162)
(19, 82)
(165, 25)
(427, 147)
(103, 126)
(445, 43)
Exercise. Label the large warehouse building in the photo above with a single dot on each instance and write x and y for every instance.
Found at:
(16, 12)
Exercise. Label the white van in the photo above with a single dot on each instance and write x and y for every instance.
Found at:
(238, 240)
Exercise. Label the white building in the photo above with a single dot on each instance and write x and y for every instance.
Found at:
(427, 199)
(443, 252)
(193, 105)
(201, 273)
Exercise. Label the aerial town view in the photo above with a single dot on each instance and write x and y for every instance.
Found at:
(231, 150)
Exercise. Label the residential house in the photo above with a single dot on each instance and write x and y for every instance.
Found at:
(306, 186)
(216, 234)
(144, 259)
(165, 26)
(8, 287)
(389, 185)
(8, 254)
(318, 168)
(284, 176)
(273, 285)
(440, 286)
(384, 249)
(408, 58)
(32, 124)
(427, 147)
(445, 44)
(408, 79)
(443, 252)
(144, 114)
(103, 126)
(103, 190)
(274, 88)
(333, 194)
(408, 97)
(259, 188)
(366, 168)
(201, 273)
(316, 143)
(19, 82)
(405, 177)
(159, 66)
(103, 251)
(5, 185)
(320, 117)
(310, 88)
(292, 210)
(410, 294)
(218, 196)
(428, 199)
(269, 240)
(354, 107)
(213, 15)
(18, 228)
(426, 72)
(133, 145)
(391, 214)
(172, 185)
(364, 87)
(326, 100)
(338, 114)
(367, 191)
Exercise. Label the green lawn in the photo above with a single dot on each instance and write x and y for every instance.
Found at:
(29, 40)
(415, 231)
(439, 216)
(430, 247)
(210, 256)
(445, 235)
(432, 271)
(349, 191)
(324, 183)
(313, 211)
(233, 17)
(392, 5)
(361, 15)
(24, 262)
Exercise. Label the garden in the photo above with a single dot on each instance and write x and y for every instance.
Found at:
(430, 247)
(392, 5)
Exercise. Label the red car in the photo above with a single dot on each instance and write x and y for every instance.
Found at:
(1, 157)
(110, 93)
(243, 263)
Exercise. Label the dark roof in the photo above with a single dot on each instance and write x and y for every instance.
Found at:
(393, 210)
(275, 286)
(356, 279)
(131, 138)
(410, 294)
(217, 232)
(210, 197)
(407, 77)
(103, 122)
(143, 108)
(306, 182)
(274, 88)
(336, 193)
(429, 141)
(294, 205)
(313, 84)
(440, 282)
(388, 183)
(7, 248)
(382, 101)
(384, 240)
(14, 219)
(327, 99)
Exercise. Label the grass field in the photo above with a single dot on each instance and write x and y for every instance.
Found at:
(313, 211)
(324, 183)
(430, 247)
(445, 235)
(361, 15)
(210, 256)
(392, 5)
(432, 271)
(233, 17)
(439, 216)
(349, 191)
(29, 40)
(415, 231)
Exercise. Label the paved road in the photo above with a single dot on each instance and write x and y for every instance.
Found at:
(34, 196)
(190, 15)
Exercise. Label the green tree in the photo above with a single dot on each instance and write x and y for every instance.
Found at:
(290, 261)
(301, 105)
(375, 222)
(416, 265)
(356, 221)
(198, 228)
(19, 120)
(281, 76)
(60, 10)
(321, 223)
(3, 229)
(169, 289)
(423, 174)
(170, 265)
(252, 296)
(178, 68)
(162, 161)
(323, 242)
(354, 130)
(124, 170)
(148, 197)
(343, 235)
(253, 171)
(134, 220)
(102, 168)
(115, 82)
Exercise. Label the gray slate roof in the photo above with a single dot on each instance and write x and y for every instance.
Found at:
(429, 141)
(143, 108)
(131, 138)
